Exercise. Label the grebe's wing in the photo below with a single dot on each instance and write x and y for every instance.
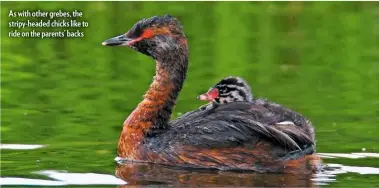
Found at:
(285, 114)
(228, 125)
(297, 134)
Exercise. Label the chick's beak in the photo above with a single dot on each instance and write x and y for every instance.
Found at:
(121, 40)
(210, 95)
(203, 97)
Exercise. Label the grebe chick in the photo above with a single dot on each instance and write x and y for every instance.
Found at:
(229, 89)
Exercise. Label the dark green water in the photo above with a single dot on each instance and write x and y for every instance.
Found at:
(72, 95)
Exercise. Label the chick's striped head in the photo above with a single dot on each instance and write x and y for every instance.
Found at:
(229, 89)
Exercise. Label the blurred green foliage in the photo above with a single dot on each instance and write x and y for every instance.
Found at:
(318, 58)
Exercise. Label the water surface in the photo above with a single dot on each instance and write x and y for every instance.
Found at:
(68, 97)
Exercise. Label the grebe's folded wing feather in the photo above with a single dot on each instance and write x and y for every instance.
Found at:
(285, 114)
(298, 135)
(225, 128)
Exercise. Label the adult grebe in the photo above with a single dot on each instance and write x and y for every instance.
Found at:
(232, 136)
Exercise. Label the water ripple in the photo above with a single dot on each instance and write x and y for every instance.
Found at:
(20, 146)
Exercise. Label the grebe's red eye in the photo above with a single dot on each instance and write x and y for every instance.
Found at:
(148, 33)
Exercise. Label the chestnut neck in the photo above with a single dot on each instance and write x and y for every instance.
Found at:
(164, 91)
(170, 73)
(154, 112)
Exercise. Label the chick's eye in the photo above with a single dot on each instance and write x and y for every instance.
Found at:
(147, 33)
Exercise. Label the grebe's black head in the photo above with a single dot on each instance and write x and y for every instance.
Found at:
(229, 89)
(153, 36)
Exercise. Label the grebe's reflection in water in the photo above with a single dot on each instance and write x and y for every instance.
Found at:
(154, 174)
(149, 174)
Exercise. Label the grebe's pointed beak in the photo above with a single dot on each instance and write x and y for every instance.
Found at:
(121, 40)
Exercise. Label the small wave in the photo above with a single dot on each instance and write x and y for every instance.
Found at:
(64, 178)
(20, 146)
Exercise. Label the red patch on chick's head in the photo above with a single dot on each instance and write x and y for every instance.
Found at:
(210, 95)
